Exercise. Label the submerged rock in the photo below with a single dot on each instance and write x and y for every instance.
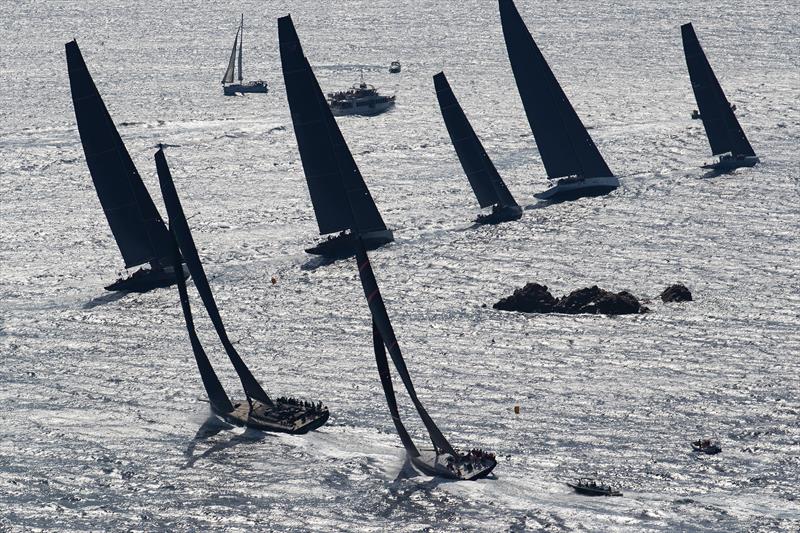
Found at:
(676, 293)
(535, 298)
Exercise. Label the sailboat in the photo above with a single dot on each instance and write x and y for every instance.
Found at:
(725, 135)
(230, 88)
(333, 178)
(137, 227)
(259, 411)
(486, 182)
(567, 150)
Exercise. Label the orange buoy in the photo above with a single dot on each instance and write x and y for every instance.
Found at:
(274, 280)
(516, 409)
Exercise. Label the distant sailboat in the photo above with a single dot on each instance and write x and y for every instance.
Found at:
(566, 148)
(486, 182)
(138, 229)
(228, 86)
(724, 133)
(333, 178)
(442, 460)
(285, 415)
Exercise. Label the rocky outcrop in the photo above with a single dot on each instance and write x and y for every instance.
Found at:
(535, 298)
(676, 293)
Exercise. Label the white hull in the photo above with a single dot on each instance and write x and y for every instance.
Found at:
(362, 109)
(572, 188)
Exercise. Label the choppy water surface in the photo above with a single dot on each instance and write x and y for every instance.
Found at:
(102, 423)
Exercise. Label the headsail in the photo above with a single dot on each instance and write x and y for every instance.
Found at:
(380, 320)
(183, 235)
(241, 45)
(228, 77)
(723, 130)
(216, 394)
(564, 144)
(486, 182)
(331, 172)
(134, 220)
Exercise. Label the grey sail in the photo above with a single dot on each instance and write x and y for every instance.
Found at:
(228, 77)
(331, 172)
(135, 222)
(384, 330)
(564, 144)
(241, 45)
(486, 182)
(220, 402)
(722, 128)
(183, 235)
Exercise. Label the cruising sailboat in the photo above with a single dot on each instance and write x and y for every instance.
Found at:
(486, 182)
(282, 415)
(567, 150)
(333, 178)
(137, 227)
(230, 88)
(725, 135)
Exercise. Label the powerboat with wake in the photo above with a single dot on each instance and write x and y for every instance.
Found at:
(591, 487)
(567, 150)
(258, 411)
(360, 99)
(488, 186)
(139, 231)
(333, 178)
(725, 134)
(229, 87)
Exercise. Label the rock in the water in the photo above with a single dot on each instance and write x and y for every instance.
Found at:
(535, 298)
(676, 293)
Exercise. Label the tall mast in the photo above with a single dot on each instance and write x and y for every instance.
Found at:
(241, 39)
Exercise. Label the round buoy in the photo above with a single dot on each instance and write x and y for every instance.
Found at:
(516, 409)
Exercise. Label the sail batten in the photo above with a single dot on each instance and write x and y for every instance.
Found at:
(138, 229)
(723, 130)
(183, 235)
(331, 172)
(565, 146)
(486, 182)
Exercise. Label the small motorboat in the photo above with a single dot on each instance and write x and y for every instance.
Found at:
(732, 161)
(708, 446)
(590, 487)
(394, 68)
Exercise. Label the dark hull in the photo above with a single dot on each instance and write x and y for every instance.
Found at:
(341, 246)
(589, 491)
(726, 165)
(282, 417)
(431, 464)
(144, 280)
(507, 214)
(708, 450)
(249, 87)
(588, 192)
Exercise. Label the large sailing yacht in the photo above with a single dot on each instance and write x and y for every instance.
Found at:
(567, 150)
(725, 134)
(230, 88)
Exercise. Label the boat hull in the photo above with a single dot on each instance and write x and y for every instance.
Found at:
(282, 417)
(572, 189)
(506, 214)
(341, 246)
(367, 110)
(144, 280)
(730, 163)
(248, 87)
(590, 491)
(432, 464)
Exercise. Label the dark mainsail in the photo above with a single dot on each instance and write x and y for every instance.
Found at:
(228, 77)
(331, 172)
(183, 236)
(134, 220)
(486, 182)
(564, 144)
(723, 130)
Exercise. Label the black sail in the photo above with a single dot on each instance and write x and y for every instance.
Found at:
(486, 182)
(564, 144)
(723, 130)
(380, 319)
(134, 220)
(180, 228)
(216, 394)
(331, 172)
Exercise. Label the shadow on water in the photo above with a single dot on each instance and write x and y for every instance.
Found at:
(104, 299)
(317, 262)
(714, 173)
(210, 428)
(538, 205)
(418, 498)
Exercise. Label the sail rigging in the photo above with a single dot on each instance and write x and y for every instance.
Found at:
(564, 143)
(228, 77)
(183, 235)
(138, 229)
(334, 180)
(723, 130)
(486, 182)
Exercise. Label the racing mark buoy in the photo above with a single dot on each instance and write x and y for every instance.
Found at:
(516, 409)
